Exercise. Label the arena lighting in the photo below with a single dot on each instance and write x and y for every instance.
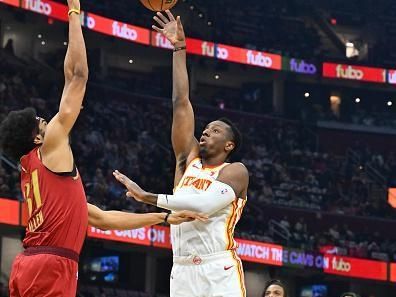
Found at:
(192, 7)
(357, 100)
(130, 61)
(389, 103)
(65, 43)
(217, 76)
(200, 15)
(307, 94)
(43, 42)
(39, 36)
(210, 23)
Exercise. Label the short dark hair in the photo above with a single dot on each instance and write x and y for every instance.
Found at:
(276, 282)
(17, 133)
(235, 134)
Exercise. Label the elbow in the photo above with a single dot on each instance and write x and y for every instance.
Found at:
(81, 72)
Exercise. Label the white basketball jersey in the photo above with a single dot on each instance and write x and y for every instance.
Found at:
(217, 233)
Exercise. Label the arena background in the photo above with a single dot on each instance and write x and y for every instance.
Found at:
(311, 85)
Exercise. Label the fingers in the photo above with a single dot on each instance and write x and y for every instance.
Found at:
(159, 30)
(119, 176)
(179, 23)
(163, 18)
(160, 22)
(170, 15)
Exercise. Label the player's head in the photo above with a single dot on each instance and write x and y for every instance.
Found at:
(20, 132)
(275, 288)
(220, 137)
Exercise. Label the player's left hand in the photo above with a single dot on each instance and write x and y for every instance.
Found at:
(177, 218)
(134, 190)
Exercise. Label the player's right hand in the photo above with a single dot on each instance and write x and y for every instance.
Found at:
(177, 218)
(171, 28)
(134, 190)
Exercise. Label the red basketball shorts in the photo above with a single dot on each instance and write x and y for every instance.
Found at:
(43, 275)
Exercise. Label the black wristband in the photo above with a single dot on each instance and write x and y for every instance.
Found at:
(176, 49)
(166, 217)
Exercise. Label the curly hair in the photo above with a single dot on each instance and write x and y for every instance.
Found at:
(275, 282)
(17, 133)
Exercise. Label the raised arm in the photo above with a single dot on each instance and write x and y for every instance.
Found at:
(118, 220)
(232, 183)
(56, 139)
(184, 144)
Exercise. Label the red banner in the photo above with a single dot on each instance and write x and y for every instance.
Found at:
(11, 2)
(392, 77)
(200, 47)
(353, 267)
(354, 72)
(259, 252)
(393, 272)
(159, 40)
(262, 59)
(48, 8)
(392, 197)
(9, 213)
(118, 29)
(155, 236)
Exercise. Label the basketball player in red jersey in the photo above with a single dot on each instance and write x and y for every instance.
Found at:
(205, 262)
(52, 187)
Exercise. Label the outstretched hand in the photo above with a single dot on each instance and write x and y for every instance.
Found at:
(170, 27)
(177, 218)
(134, 190)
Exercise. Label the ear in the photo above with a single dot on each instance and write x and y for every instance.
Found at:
(230, 145)
(38, 139)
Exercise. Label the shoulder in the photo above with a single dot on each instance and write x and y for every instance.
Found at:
(237, 171)
(237, 167)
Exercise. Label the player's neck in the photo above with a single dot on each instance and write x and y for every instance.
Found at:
(213, 161)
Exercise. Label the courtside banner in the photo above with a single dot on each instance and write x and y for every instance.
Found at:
(260, 252)
(262, 59)
(117, 29)
(11, 2)
(392, 197)
(354, 72)
(393, 272)
(359, 268)
(9, 211)
(391, 77)
(200, 47)
(159, 40)
(150, 236)
(299, 66)
(48, 8)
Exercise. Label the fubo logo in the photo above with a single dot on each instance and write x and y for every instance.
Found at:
(39, 6)
(300, 66)
(258, 59)
(209, 50)
(161, 41)
(124, 32)
(341, 265)
(349, 72)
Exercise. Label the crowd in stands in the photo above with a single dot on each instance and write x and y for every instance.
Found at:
(133, 136)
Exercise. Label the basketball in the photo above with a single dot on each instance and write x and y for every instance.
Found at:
(158, 5)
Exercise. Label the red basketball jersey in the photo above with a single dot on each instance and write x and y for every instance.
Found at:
(57, 206)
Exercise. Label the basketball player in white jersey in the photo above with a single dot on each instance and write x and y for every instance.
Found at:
(204, 253)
